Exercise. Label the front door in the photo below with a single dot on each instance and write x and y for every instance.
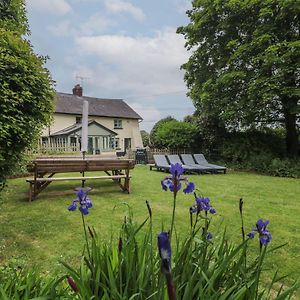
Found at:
(127, 144)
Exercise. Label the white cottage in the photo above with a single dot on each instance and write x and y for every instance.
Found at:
(113, 124)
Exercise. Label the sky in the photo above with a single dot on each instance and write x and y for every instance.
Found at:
(124, 49)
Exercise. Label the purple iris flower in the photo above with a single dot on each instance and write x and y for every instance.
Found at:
(82, 200)
(72, 206)
(173, 182)
(164, 249)
(209, 236)
(251, 234)
(190, 187)
(202, 204)
(212, 210)
(84, 210)
(176, 170)
(264, 234)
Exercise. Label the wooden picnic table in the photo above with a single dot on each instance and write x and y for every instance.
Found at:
(44, 169)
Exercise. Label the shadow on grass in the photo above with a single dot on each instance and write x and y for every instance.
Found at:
(67, 188)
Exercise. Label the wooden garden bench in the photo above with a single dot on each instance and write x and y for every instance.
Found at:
(44, 169)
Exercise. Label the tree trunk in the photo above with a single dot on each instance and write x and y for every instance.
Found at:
(292, 146)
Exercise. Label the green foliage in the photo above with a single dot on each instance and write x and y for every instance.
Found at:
(26, 101)
(146, 138)
(131, 270)
(210, 136)
(245, 61)
(284, 168)
(31, 231)
(201, 269)
(189, 119)
(268, 165)
(240, 146)
(115, 271)
(153, 140)
(175, 134)
(13, 16)
(23, 284)
(260, 151)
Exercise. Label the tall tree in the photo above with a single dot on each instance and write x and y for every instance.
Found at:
(26, 92)
(145, 138)
(244, 67)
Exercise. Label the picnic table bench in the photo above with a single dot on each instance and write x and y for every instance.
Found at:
(44, 169)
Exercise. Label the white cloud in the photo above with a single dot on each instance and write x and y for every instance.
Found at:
(150, 115)
(121, 6)
(57, 7)
(96, 24)
(137, 65)
(61, 29)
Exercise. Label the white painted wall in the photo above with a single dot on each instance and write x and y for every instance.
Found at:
(130, 128)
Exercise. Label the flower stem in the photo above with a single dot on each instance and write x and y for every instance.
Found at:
(174, 208)
(85, 234)
(170, 287)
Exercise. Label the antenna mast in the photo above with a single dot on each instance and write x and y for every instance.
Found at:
(81, 78)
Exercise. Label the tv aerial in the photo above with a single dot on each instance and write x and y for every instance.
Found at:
(81, 78)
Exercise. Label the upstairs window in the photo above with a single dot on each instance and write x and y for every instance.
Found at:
(118, 124)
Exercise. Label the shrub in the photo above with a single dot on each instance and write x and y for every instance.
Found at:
(284, 167)
(175, 134)
(27, 95)
(153, 140)
(258, 151)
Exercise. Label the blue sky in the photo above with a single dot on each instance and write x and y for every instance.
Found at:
(125, 49)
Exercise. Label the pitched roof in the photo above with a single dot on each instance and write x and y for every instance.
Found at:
(77, 126)
(117, 108)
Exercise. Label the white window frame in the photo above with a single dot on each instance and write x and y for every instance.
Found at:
(118, 124)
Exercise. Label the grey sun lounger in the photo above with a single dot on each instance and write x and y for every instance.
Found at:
(174, 158)
(189, 160)
(161, 162)
(200, 159)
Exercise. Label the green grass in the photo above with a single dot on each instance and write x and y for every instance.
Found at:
(43, 232)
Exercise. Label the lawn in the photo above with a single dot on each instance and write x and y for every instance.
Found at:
(44, 231)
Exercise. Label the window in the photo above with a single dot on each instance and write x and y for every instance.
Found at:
(78, 120)
(118, 124)
(44, 140)
(73, 140)
(117, 143)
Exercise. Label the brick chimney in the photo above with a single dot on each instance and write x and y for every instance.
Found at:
(77, 90)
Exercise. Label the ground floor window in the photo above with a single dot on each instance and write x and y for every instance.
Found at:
(96, 144)
(73, 140)
(59, 140)
(116, 143)
(44, 140)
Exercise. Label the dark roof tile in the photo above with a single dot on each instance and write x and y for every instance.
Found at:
(117, 108)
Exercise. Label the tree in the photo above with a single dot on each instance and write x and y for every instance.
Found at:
(175, 134)
(244, 68)
(153, 140)
(189, 119)
(26, 101)
(145, 137)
